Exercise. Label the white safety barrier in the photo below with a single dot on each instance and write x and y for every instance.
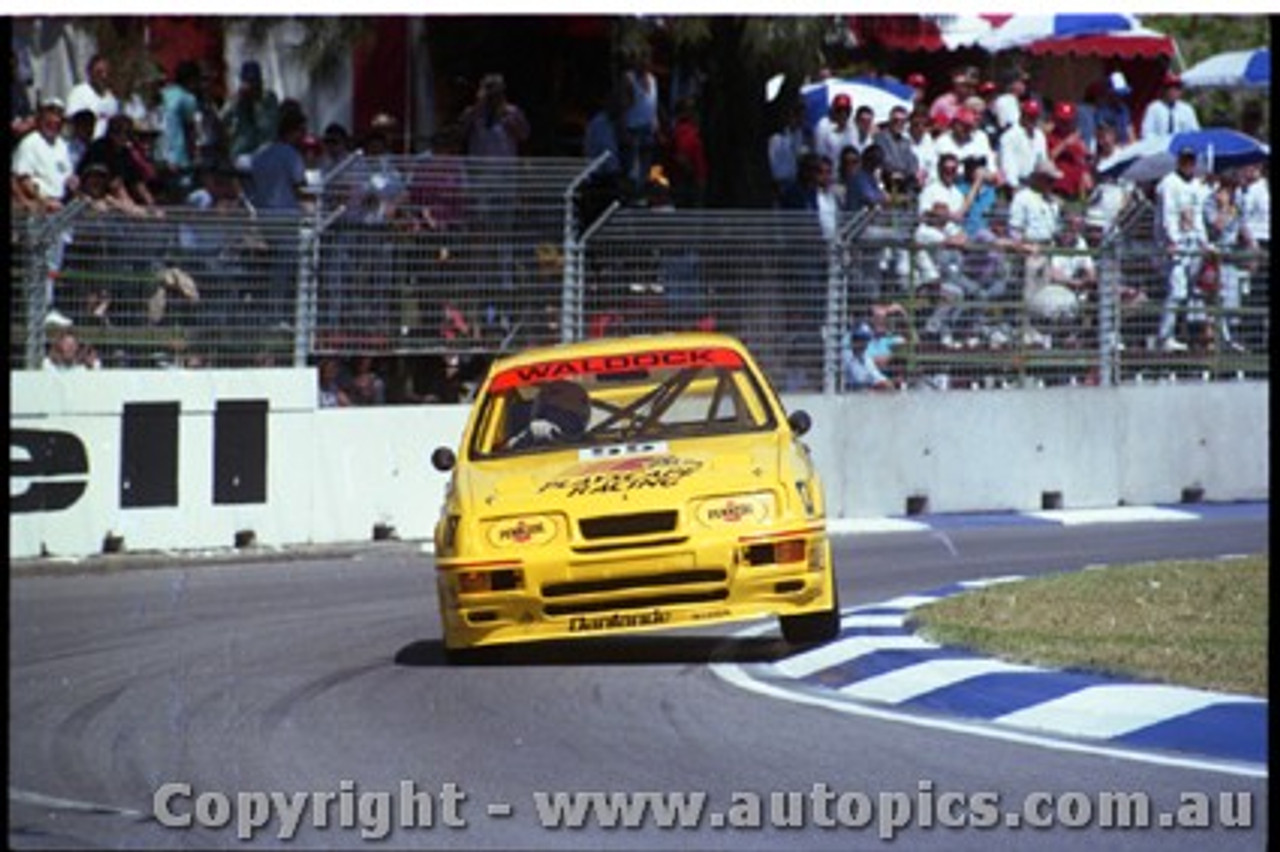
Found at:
(199, 459)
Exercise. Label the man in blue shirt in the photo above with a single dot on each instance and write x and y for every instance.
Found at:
(278, 174)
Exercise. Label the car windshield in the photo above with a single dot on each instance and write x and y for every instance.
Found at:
(607, 399)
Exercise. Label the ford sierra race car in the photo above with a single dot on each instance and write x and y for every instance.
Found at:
(630, 484)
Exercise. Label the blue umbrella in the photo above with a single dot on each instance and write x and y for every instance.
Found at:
(1217, 149)
(1238, 69)
(881, 95)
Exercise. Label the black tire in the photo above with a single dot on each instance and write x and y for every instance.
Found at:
(812, 628)
(485, 656)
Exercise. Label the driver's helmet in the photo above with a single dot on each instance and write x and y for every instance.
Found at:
(566, 404)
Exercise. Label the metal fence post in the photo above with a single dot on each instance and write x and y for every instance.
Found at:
(837, 311)
(37, 292)
(47, 239)
(304, 320)
(572, 326)
(1109, 312)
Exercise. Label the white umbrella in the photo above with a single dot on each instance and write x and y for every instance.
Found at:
(1238, 69)
(881, 95)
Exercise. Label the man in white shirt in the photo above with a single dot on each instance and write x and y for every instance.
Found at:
(924, 147)
(834, 131)
(1007, 104)
(1255, 204)
(1169, 114)
(791, 142)
(966, 144)
(939, 240)
(1180, 197)
(1023, 147)
(41, 164)
(864, 127)
(95, 95)
(1033, 222)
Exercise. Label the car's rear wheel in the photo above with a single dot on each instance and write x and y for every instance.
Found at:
(812, 628)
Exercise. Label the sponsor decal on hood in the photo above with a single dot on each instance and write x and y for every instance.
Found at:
(636, 473)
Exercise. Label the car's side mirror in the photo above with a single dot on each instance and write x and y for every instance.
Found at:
(443, 459)
(800, 422)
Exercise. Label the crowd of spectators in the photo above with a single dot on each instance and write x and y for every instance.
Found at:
(996, 178)
(986, 170)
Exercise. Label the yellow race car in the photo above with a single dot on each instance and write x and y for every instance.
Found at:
(630, 484)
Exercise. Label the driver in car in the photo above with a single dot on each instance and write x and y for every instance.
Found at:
(561, 412)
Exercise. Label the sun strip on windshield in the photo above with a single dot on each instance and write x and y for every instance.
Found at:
(547, 371)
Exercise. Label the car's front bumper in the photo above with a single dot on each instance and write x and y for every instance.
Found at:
(699, 581)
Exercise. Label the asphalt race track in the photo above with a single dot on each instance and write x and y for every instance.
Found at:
(326, 674)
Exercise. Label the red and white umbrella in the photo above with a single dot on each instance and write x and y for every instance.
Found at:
(1060, 33)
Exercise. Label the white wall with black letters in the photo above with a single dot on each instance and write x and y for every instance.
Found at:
(188, 459)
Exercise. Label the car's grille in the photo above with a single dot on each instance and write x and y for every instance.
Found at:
(637, 603)
(640, 581)
(622, 526)
(636, 591)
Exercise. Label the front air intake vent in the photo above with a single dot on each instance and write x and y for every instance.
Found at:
(623, 526)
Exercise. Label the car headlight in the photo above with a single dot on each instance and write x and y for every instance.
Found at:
(736, 510)
(522, 531)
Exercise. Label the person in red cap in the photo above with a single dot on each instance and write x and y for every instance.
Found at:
(1023, 148)
(1169, 114)
(1068, 153)
(835, 131)
(918, 83)
(967, 143)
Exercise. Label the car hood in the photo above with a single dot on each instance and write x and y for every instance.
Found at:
(638, 477)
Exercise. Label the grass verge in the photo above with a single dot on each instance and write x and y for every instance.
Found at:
(1194, 623)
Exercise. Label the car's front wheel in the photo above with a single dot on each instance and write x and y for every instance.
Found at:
(812, 628)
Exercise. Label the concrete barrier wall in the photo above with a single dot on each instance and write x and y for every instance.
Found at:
(187, 474)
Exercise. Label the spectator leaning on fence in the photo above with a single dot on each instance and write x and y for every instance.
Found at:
(1072, 279)
(94, 94)
(278, 175)
(42, 173)
(1033, 221)
(860, 369)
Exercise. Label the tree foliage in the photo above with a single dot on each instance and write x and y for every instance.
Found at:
(1201, 36)
(736, 56)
